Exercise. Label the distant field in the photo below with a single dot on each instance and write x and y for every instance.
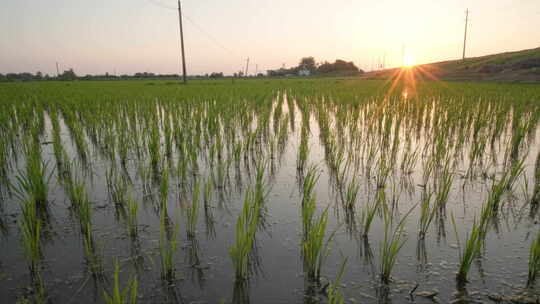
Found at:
(305, 190)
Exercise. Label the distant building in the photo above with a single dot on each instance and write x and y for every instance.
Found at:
(304, 72)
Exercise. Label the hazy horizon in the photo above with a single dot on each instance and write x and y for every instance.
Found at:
(142, 35)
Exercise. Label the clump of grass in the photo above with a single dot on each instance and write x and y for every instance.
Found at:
(127, 295)
(534, 260)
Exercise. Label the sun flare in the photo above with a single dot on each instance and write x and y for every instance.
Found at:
(408, 60)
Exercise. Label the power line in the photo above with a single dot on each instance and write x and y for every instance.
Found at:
(194, 24)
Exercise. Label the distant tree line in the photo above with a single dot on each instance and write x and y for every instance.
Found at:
(339, 67)
(70, 75)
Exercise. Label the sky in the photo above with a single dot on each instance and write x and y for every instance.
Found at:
(128, 36)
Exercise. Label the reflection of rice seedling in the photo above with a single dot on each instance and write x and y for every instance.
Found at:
(128, 295)
(193, 211)
(335, 295)
(534, 260)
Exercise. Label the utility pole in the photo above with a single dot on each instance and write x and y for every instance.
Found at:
(256, 69)
(247, 67)
(57, 70)
(184, 79)
(465, 36)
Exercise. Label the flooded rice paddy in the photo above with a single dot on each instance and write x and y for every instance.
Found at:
(318, 191)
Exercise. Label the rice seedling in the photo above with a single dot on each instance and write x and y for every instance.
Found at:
(351, 194)
(309, 199)
(118, 295)
(467, 254)
(164, 188)
(534, 260)
(193, 211)
(31, 229)
(314, 249)
(93, 254)
(427, 213)
(303, 150)
(167, 247)
(536, 191)
(131, 217)
(117, 187)
(369, 211)
(34, 182)
(246, 228)
(391, 244)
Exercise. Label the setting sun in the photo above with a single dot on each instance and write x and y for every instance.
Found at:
(408, 60)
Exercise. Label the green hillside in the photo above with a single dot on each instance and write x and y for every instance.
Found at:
(519, 66)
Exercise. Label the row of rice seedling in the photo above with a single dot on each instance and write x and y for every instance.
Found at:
(182, 138)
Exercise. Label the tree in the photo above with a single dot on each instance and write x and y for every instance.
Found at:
(308, 63)
(339, 67)
(68, 75)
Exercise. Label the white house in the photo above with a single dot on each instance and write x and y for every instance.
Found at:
(303, 72)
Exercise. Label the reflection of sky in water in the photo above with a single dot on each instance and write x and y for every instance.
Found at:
(431, 263)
